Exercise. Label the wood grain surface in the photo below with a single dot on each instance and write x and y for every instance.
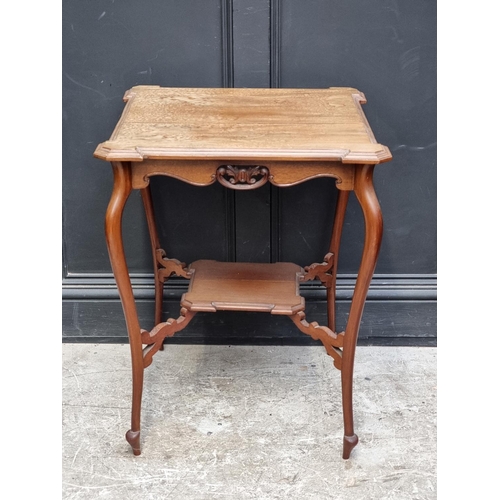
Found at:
(248, 124)
(238, 286)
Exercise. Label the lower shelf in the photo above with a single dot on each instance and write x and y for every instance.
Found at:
(234, 286)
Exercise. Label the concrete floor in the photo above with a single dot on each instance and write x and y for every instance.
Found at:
(242, 422)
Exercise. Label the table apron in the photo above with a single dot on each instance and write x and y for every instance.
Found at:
(243, 174)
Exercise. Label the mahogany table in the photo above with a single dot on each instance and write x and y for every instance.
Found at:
(244, 138)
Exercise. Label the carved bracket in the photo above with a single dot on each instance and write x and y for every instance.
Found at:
(170, 266)
(332, 341)
(154, 339)
(322, 271)
(242, 177)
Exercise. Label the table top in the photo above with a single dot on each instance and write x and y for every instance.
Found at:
(243, 124)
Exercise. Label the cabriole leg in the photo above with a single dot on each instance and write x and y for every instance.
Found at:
(155, 246)
(338, 223)
(365, 193)
(113, 226)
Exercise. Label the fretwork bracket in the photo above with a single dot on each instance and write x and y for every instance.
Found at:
(331, 340)
(154, 339)
(321, 271)
(168, 267)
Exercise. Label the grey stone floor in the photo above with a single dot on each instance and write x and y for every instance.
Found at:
(242, 422)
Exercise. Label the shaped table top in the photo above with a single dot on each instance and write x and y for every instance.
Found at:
(243, 124)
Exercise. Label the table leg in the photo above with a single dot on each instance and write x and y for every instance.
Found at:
(367, 198)
(155, 246)
(121, 191)
(338, 224)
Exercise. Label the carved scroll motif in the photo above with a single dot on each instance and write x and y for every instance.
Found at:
(154, 339)
(321, 271)
(242, 177)
(170, 266)
(332, 341)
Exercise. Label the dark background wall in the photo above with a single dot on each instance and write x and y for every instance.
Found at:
(385, 48)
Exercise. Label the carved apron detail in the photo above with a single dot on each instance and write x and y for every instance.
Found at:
(242, 177)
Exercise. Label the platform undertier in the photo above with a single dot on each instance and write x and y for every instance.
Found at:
(238, 286)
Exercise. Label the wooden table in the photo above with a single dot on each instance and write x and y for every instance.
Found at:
(244, 138)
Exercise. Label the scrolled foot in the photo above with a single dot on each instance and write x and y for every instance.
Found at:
(134, 440)
(349, 443)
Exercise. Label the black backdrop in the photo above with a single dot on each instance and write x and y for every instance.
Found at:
(385, 48)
